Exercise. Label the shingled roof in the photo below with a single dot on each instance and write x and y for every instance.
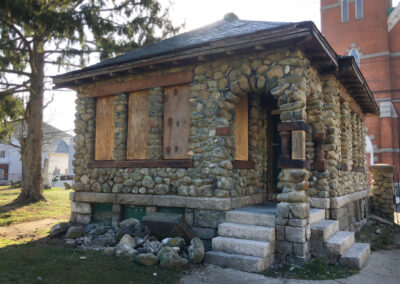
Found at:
(229, 34)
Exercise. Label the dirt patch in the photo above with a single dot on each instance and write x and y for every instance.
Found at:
(29, 230)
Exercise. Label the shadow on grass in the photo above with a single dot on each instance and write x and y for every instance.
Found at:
(46, 261)
(13, 205)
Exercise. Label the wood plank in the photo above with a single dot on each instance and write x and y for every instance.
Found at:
(142, 84)
(291, 126)
(142, 164)
(242, 129)
(176, 122)
(104, 147)
(295, 164)
(223, 131)
(243, 165)
(299, 145)
(138, 125)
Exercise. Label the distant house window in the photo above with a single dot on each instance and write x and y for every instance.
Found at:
(2, 154)
(354, 52)
(345, 10)
(359, 9)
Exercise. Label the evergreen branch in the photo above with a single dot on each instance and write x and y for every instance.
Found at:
(22, 73)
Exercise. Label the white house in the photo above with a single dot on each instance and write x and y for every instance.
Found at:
(57, 155)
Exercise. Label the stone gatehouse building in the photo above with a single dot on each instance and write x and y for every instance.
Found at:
(254, 131)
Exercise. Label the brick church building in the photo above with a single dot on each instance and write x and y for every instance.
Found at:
(370, 31)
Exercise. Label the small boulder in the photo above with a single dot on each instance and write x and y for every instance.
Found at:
(125, 252)
(58, 229)
(70, 243)
(153, 246)
(128, 222)
(74, 232)
(139, 241)
(170, 259)
(141, 230)
(127, 241)
(146, 259)
(196, 251)
(103, 241)
(109, 250)
(89, 228)
(128, 229)
(174, 242)
(67, 185)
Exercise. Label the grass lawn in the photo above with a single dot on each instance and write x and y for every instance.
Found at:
(38, 263)
(56, 207)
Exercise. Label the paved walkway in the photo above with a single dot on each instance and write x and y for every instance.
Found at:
(383, 267)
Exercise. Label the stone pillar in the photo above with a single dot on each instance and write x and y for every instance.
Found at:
(382, 191)
(121, 126)
(292, 224)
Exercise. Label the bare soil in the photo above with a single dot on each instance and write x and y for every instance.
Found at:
(28, 230)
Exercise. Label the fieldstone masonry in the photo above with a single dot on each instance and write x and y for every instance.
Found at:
(382, 191)
(213, 185)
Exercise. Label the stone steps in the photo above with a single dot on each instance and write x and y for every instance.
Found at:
(238, 261)
(339, 242)
(245, 231)
(316, 215)
(243, 247)
(243, 216)
(322, 230)
(356, 256)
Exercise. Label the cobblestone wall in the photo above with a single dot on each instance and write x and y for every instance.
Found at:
(382, 190)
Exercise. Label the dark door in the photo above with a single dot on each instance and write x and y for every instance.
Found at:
(274, 151)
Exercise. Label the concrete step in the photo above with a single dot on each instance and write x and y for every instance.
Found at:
(316, 215)
(322, 230)
(356, 256)
(251, 217)
(240, 262)
(244, 247)
(339, 242)
(248, 232)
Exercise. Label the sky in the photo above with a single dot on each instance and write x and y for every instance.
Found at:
(197, 13)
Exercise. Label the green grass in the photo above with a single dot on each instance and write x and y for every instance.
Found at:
(383, 240)
(316, 269)
(30, 262)
(56, 207)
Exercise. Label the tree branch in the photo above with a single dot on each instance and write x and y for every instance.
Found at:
(22, 73)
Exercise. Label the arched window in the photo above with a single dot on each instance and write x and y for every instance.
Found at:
(359, 9)
(345, 10)
(354, 52)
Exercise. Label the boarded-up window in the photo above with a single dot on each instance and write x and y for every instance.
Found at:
(176, 122)
(105, 128)
(138, 125)
(242, 129)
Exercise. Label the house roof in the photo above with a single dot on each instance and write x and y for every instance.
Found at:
(228, 35)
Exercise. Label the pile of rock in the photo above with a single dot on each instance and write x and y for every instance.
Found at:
(133, 241)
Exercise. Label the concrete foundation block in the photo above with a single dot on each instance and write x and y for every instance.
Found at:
(81, 207)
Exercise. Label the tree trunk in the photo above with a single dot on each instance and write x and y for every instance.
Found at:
(32, 190)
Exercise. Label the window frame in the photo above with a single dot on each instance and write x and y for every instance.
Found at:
(344, 10)
(359, 9)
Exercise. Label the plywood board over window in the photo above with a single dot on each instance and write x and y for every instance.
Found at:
(176, 122)
(242, 129)
(138, 125)
(104, 149)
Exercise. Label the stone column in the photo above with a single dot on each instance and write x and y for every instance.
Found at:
(292, 224)
(382, 190)
(121, 126)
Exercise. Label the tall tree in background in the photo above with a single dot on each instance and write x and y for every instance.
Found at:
(39, 33)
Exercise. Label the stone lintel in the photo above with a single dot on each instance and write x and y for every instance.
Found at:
(380, 168)
(338, 202)
(210, 203)
(322, 203)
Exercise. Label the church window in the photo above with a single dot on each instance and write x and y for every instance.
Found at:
(345, 10)
(359, 9)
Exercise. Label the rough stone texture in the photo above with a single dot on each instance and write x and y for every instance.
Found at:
(196, 251)
(382, 191)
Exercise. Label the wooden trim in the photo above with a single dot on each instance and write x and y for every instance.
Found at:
(243, 165)
(172, 79)
(319, 136)
(223, 131)
(292, 164)
(291, 126)
(142, 164)
(320, 165)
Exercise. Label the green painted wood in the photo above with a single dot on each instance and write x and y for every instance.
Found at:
(102, 213)
(137, 212)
